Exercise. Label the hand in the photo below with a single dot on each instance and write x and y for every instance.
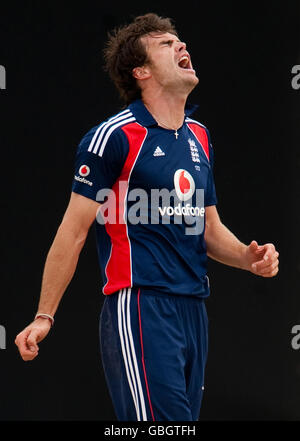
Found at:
(27, 339)
(262, 260)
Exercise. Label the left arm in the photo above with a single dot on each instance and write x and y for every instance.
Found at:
(224, 246)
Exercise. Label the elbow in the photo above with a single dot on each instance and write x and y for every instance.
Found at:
(212, 234)
(77, 234)
(209, 229)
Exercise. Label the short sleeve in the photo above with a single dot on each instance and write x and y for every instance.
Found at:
(99, 169)
(210, 198)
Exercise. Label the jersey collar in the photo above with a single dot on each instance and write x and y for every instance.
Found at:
(144, 117)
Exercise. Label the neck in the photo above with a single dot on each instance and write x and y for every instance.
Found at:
(167, 110)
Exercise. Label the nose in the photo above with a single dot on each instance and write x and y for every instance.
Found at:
(181, 46)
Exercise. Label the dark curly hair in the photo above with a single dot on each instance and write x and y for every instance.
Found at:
(124, 51)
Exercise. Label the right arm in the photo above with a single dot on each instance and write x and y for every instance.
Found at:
(59, 269)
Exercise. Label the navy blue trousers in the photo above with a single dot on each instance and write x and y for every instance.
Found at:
(154, 351)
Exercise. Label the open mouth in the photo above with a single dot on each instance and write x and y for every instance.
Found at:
(185, 63)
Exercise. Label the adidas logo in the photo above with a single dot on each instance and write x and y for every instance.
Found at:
(158, 152)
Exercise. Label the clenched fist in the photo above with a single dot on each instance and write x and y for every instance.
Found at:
(28, 339)
(262, 259)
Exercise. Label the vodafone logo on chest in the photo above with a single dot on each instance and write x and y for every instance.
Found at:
(185, 188)
(184, 184)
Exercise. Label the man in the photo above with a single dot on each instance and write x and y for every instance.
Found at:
(153, 260)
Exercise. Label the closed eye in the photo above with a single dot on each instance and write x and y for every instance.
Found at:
(167, 42)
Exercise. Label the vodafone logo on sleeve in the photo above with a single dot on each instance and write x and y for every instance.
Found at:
(184, 184)
(84, 170)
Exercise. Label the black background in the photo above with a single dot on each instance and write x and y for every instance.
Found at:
(56, 91)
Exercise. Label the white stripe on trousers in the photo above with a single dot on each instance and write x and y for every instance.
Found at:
(129, 355)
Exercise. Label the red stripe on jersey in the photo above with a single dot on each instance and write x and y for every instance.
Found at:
(118, 269)
(201, 136)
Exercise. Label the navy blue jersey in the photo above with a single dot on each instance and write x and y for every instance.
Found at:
(153, 184)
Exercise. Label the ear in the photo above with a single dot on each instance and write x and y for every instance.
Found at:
(141, 73)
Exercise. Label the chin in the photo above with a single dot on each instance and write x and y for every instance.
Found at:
(191, 83)
(184, 84)
(196, 80)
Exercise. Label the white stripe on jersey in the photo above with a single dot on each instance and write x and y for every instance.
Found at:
(91, 146)
(115, 126)
(187, 119)
(105, 127)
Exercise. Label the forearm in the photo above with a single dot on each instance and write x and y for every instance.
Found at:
(59, 268)
(223, 246)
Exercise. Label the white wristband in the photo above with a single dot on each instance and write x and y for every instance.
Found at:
(46, 316)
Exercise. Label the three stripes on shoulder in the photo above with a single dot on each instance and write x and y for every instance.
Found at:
(102, 134)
